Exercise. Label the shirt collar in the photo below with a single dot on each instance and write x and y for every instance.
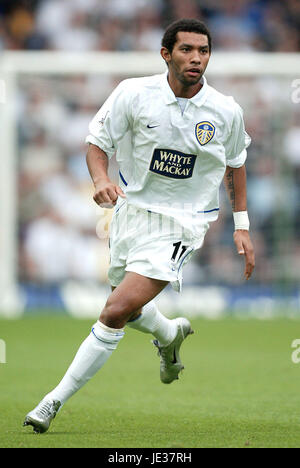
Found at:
(169, 96)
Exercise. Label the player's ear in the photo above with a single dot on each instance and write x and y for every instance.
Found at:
(165, 54)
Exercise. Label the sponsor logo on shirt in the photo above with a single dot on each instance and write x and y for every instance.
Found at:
(204, 132)
(174, 164)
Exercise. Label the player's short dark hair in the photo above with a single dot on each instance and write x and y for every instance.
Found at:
(186, 25)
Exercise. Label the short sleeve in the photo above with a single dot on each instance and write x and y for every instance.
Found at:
(111, 122)
(238, 140)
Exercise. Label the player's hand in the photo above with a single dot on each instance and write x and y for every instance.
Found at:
(107, 193)
(244, 247)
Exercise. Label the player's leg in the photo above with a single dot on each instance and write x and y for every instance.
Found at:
(127, 299)
(150, 320)
(131, 295)
(169, 335)
(160, 252)
(123, 303)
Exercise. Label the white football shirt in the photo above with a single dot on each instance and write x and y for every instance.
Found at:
(171, 162)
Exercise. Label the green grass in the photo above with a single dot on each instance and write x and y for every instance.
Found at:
(239, 389)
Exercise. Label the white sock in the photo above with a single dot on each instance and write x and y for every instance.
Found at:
(90, 357)
(153, 321)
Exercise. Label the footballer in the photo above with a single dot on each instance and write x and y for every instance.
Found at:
(176, 139)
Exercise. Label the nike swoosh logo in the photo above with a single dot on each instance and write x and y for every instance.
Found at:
(152, 126)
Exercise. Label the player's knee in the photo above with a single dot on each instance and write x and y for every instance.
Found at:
(115, 313)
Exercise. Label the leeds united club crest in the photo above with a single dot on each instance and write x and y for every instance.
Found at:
(204, 132)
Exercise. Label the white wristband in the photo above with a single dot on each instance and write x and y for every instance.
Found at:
(241, 220)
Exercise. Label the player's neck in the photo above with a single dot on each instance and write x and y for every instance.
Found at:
(182, 91)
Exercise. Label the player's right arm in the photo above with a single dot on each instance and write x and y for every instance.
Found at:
(106, 192)
(107, 129)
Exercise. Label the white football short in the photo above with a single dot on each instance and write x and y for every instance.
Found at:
(150, 244)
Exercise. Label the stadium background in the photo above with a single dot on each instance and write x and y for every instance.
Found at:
(58, 259)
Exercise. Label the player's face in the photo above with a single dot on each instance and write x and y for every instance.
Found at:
(189, 58)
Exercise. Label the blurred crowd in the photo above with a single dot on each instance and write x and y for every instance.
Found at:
(62, 232)
(124, 25)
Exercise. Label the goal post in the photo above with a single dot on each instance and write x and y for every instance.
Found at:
(16, 64)
(146, 63)
(8, 191)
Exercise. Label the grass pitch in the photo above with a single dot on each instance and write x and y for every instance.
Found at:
(240, 387)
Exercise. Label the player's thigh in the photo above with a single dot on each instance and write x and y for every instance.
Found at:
(129, 297)
(136, 313)
(135, 291)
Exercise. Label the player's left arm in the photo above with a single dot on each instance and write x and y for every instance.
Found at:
(235, 181)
